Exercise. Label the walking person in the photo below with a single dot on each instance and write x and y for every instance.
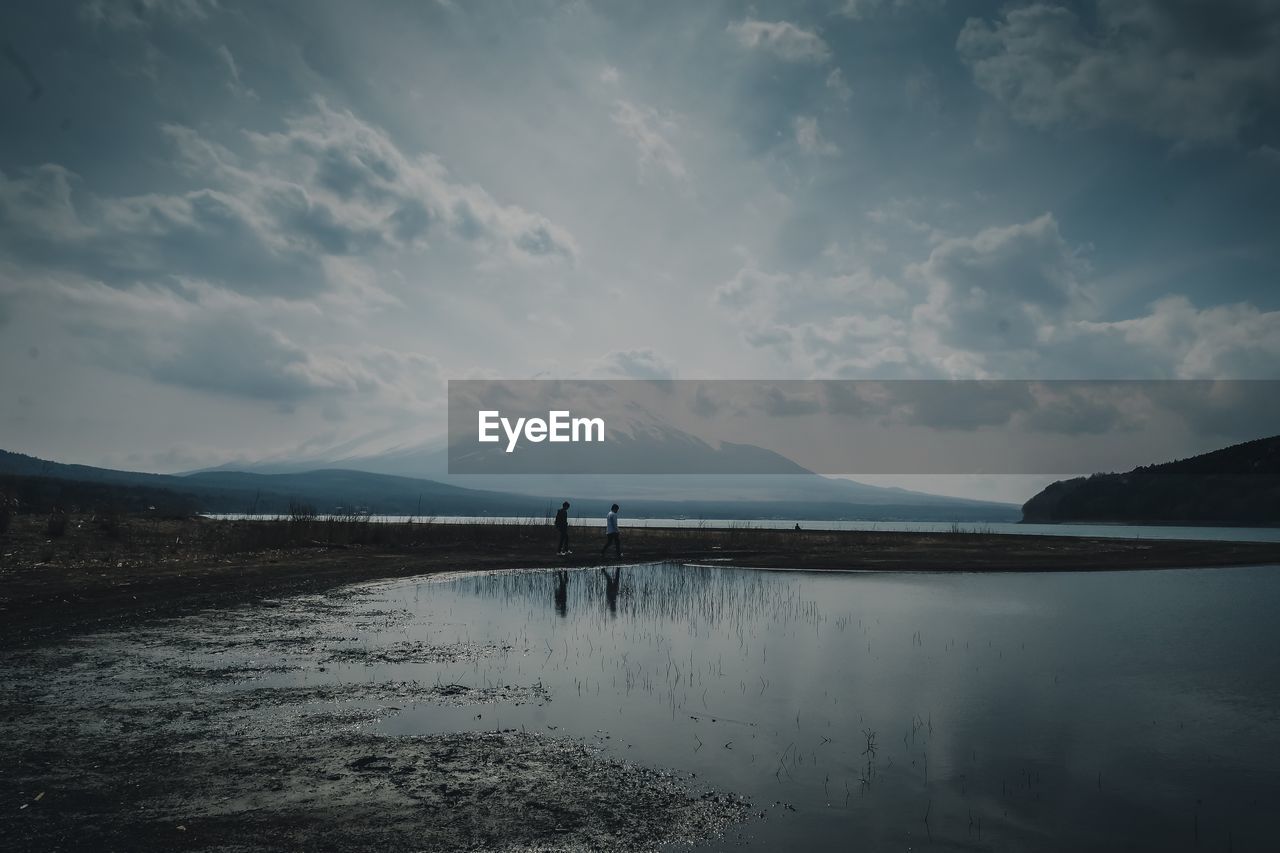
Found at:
(611, 533)
(562, 525)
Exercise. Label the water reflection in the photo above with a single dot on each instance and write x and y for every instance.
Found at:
(562, 592)
(611, 588)
(1013, 712)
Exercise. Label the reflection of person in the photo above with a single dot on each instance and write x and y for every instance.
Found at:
(611, 587)
(611, 533)
(562, 525)
(562, 592)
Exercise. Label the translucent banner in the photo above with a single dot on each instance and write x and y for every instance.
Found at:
(852, 427)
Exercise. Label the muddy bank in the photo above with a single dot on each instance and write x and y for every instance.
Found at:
(490, 790)
(232, 731)
(85, 580)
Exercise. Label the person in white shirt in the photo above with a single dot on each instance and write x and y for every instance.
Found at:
(611, 533)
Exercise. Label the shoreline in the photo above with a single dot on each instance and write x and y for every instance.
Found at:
(152, 568)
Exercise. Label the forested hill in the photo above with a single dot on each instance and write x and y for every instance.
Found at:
(1235, 485)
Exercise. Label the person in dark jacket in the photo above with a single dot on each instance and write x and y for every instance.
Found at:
(562, 526)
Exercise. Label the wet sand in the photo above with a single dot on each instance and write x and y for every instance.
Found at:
(194, 734)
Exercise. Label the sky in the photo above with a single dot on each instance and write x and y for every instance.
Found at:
(235, 231)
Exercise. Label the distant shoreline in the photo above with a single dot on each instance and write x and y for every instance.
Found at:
(1230, 525)
(908, 525)
(149, 568)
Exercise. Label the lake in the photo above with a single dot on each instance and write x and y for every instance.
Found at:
(1128, 710)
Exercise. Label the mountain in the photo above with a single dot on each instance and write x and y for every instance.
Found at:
(40, 483)
(1235, 485)
(788, 482)
(387, 475)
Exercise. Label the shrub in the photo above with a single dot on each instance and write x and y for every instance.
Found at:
(56, 525)
(109, 520)
(301, 515)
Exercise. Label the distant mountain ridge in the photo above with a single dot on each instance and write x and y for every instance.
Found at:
(239, 492)
(334, 490)
(786, 482)
(1237, 485)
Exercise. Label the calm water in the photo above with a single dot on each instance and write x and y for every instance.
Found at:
(1132, 531)
(1121, 711)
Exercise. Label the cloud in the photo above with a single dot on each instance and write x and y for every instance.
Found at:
(647, 129)
(954, 405)
(837, 86)
(779, 404)
(858, 345)
(643, 363)
(810, 139)
(749, 286)
(143, 13)
(831, 322)
(1083, 408)
(207, 338)
(328, 186)
(1189, 73)
(209, 233)
(781, 38)
(234, 83)
(1011, 301)
(358, 172)
(1177, 339)
(1018, 301)
(906, 214)
(860, 10)
(997, 290)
